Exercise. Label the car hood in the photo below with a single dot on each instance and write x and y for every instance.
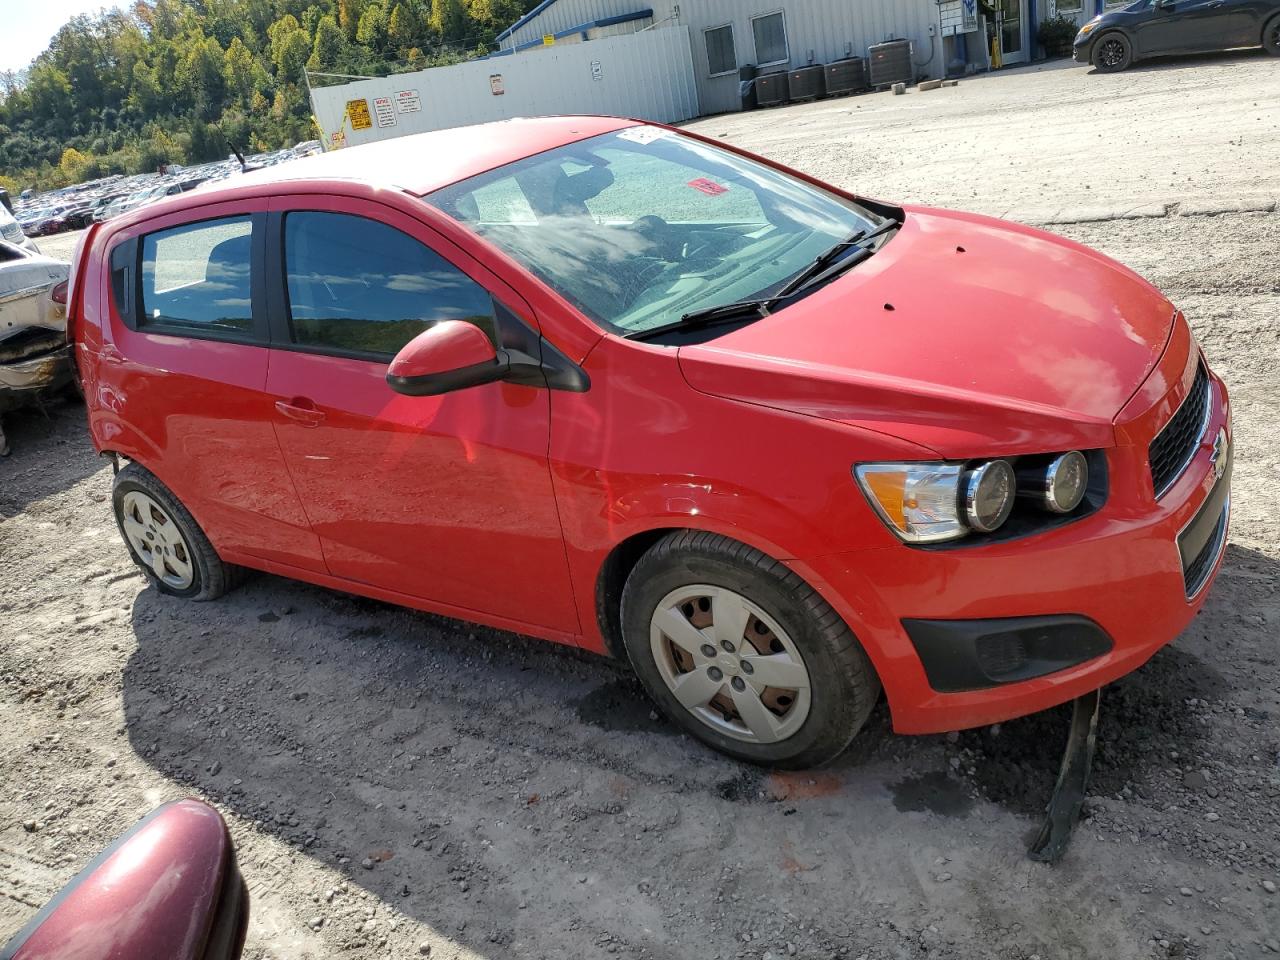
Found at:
(966, 335)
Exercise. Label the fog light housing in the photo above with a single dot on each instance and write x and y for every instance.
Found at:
(988, 495)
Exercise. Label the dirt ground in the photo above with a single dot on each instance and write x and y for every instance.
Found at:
(400, 784)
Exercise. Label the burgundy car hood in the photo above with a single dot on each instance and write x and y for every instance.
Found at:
(168, 889)
(966, 335)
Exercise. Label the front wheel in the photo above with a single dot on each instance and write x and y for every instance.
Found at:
(1112, 53)
(1271, 37)
(743, 654)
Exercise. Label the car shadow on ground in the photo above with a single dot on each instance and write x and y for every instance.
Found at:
(49, 452)
(422, 758)
(1191, 61)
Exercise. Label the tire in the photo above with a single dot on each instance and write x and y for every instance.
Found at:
(1271, 37)
(168, 537)
(781, 624)
(1112, 52)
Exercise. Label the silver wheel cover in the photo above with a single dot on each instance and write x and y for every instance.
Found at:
(156, 539)
(730, 664)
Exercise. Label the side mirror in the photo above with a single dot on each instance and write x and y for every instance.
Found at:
(168, 888)
(450, 356)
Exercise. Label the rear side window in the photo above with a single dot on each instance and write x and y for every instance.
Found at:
(361, 287)
(197, 277)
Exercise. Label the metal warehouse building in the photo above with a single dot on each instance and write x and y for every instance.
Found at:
(671, 61)
(727, 35)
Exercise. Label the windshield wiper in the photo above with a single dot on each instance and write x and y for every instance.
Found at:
(818, 269)
(707, 317)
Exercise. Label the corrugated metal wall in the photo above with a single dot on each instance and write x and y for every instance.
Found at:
(818, 31)
(648, 76)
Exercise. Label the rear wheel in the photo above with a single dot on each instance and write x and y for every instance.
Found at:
(1271, 37)
(165, 540)
(738, 650)
(1112, 53)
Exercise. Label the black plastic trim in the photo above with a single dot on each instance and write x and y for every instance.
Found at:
(123, 261)
(434, 384)
(230, 920)
(1201, 542)
(957, 655)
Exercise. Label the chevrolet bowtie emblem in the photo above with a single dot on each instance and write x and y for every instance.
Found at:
(1221, 454)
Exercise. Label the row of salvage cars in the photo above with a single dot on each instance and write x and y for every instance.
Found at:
(35, 357)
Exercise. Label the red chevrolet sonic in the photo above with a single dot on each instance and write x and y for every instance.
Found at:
(629, 389)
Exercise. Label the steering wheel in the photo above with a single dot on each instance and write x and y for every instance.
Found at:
(664, 241)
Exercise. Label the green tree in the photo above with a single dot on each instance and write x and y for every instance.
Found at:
(329, 45)
(349, 14)
(372, 31)
(449, 19)
(402, 30)
(200, 73)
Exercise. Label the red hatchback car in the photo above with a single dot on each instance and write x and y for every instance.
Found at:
(629, 389)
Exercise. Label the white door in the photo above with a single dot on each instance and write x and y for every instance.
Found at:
(1011, 29)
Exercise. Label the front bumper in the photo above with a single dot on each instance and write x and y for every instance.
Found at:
(1082, 49)
(1119, 568)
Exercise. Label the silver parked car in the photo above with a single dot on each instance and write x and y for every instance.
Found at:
(35, 358)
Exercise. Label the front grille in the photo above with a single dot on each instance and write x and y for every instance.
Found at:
(12, 232)
(1176, 444)
(1195, 573)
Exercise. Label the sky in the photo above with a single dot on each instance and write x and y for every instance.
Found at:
(29, 25)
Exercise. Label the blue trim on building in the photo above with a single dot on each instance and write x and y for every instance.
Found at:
(581, 28)
(525, 19)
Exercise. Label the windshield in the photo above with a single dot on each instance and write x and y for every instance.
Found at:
(640, 227)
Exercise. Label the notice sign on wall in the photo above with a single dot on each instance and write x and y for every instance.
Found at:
(408, 101)
(597, 70)
(383, 110)
(358, 111)
(496, 86)
(548, 40)
(338, 140)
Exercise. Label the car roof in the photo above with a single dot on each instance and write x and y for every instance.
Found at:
(422, 162)
(416, 164)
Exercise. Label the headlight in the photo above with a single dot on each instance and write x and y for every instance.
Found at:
(1058, 486)
(988, 495)
(1088, 28)
(936, 502)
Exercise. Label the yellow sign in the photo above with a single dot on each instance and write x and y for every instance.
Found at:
(548, 40)
(358, 111)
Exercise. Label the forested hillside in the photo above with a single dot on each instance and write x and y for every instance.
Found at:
(171, 81)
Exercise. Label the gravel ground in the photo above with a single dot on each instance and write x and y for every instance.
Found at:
(398, 783)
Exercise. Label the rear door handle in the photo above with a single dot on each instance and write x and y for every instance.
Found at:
(302, 410)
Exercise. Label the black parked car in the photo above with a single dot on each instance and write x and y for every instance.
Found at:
(1152, 28)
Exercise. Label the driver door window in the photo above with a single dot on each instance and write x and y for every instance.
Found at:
(360, 288)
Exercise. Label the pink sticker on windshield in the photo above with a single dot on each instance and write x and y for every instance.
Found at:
(709, 187)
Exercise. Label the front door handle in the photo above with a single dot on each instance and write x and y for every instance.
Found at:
(302, 410)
